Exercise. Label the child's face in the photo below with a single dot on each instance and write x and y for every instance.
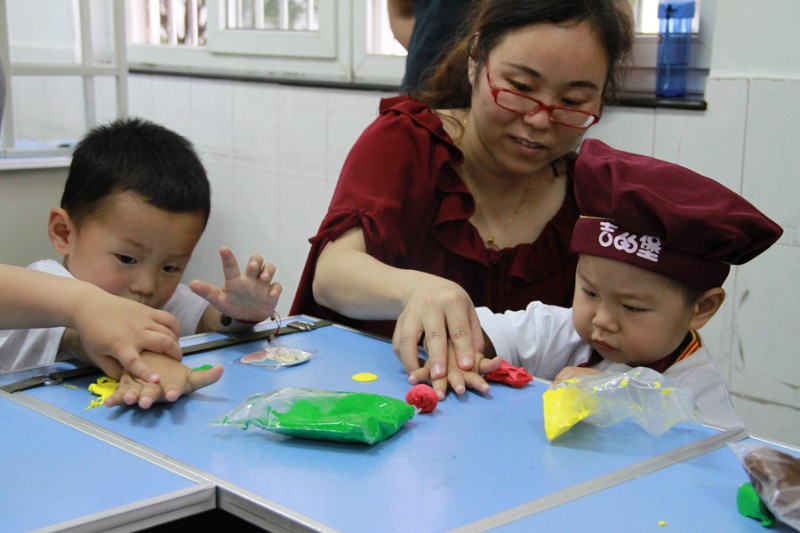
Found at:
(132, 249)
(628, 314)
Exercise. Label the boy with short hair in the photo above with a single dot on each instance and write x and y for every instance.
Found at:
(135, 203)
(656, 242)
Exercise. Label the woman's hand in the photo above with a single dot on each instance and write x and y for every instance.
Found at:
(441, 312)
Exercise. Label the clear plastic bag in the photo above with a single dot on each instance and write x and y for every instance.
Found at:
(654, 401)
(775, 476)
(275, 357)
(322, 414)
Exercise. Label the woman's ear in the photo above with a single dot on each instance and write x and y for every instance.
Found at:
(61, 230)
(472, 46)
(474, 57)
(705, 307)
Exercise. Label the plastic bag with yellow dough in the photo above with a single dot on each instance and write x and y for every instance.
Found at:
(654, 401)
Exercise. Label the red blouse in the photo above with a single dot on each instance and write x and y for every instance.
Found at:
(399, 185)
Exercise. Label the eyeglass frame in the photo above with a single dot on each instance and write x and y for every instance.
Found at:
(494, 89)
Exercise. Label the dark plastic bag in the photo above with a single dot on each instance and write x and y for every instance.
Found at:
(776, 477)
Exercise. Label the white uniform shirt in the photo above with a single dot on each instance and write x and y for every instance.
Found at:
(543, 340)
(25, 348)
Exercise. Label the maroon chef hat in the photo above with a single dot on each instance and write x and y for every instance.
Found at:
(663, 217)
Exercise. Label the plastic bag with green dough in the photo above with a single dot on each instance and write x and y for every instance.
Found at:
(322, 414)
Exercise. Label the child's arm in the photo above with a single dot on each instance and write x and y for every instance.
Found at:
(103, 330)
(247, 298)
(176, 380)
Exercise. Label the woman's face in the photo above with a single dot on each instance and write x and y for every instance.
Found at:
(561, 66)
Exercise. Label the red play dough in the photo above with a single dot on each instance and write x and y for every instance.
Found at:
(423, 397)
(510, 375)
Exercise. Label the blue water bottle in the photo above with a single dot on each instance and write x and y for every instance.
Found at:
(674, 37)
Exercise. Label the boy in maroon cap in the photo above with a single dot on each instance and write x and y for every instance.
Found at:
(656, 242)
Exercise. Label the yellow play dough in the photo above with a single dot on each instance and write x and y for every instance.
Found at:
(104, 388)
(365, 376)
(564, 407)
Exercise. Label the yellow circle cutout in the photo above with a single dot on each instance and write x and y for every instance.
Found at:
(365, 376)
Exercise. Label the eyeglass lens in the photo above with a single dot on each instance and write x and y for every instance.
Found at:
(523, 105)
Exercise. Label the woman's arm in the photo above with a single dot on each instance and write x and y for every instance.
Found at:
(401, 20)
(353, 283)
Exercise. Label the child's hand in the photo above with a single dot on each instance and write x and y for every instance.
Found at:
(112, 332)
(249, 296)
(176, 380)
(570, 372)
(457, 379)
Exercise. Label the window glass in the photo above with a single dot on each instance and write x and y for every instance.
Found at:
(319, 41)
(287, 15)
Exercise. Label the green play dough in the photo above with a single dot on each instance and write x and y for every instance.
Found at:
(324, 415)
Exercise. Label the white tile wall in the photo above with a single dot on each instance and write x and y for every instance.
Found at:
(273, 155)
(274, 152)
(765, 377)
(771, 163)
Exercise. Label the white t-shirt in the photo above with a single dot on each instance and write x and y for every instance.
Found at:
(543, 340)
(26, 348)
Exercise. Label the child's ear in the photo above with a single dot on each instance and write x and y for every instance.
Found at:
(61, 230)
(706, 306)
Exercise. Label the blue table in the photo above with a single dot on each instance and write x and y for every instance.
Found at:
(698, 494)
(473, 459)
(58, 477)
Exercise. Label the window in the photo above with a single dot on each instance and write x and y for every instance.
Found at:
(291, 39)
(316, 40)
(65, 69)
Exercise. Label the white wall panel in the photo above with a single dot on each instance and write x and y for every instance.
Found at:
(772, 158)
(626, 128)
(710, 142)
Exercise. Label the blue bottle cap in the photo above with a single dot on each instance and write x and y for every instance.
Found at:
(676, 10)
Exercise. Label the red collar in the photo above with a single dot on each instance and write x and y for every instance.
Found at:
(689, 345)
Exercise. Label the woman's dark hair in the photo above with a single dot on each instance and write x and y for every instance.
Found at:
(137, 156)
(448, 85)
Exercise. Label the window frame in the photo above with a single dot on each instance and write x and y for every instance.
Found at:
(340, 56)
(322, 56)
(94, 62)
(319, 44)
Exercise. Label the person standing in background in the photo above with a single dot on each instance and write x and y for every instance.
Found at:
(425, 28)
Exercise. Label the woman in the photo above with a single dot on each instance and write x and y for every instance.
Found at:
(461, 195)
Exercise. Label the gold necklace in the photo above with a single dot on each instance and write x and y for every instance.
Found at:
(491, 240)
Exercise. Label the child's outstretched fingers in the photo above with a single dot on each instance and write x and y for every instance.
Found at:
(490, 365)
(440, 386)
(128, 391)
(475, 381)
(114, 399)
(230, 266)
(150, 394)
(172, 386)
(248, 296)
(202, 378)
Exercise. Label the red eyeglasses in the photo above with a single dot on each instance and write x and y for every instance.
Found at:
(526, 105)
